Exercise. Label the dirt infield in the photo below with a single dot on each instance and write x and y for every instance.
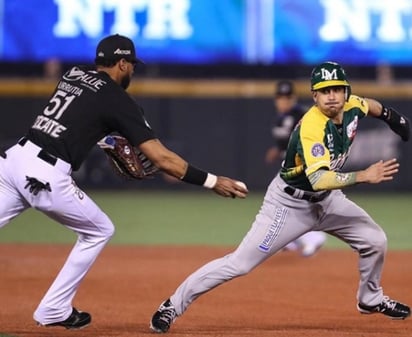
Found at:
(287, 296)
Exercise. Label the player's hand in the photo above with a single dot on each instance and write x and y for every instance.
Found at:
(378, 172)
(227, 187)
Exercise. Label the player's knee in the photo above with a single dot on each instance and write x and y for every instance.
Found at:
(103, 232)
(105, 227)
(102, 236)
(108, 231)
(376, 243)
(380, 242)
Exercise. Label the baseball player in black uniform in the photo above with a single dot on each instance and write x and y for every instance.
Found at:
(288, 112)
(307, 195)
(86, 105)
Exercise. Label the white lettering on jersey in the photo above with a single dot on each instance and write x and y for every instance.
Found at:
(73, 74)
(331, 144)
(58, 104)
(92, 82)
(76, 74)
(70, 89)
(49, 126)
(337, 164)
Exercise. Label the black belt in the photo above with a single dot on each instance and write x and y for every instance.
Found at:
(44, 155)
(308, 196)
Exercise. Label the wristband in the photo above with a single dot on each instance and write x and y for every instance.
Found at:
(210, 181)
(195, 176)
(385, 114)
(397, 122)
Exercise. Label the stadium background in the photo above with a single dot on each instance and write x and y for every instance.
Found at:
(220, 125)
(207, 90)
(208, 81)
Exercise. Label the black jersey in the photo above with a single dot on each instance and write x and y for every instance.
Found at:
(284, 124)
(85, 106)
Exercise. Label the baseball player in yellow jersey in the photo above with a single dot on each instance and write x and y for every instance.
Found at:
(288, 113)
(306, 195)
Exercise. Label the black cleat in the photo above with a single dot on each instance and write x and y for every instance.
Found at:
(388, 307)
(163, 317)
(76, 320)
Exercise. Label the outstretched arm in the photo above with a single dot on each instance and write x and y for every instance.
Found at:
(396, 121)
(375, 107)
(174, 165)
(374, 174)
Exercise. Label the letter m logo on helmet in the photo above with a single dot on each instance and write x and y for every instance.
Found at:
(328, 74)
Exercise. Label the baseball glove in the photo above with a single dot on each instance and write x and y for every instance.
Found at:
(126, 160)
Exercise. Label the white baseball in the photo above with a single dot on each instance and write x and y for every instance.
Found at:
(241, 184)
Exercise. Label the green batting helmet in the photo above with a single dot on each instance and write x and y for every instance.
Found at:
(329, 74)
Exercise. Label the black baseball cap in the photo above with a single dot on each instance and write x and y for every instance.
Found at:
(114, 48)
(284, 88)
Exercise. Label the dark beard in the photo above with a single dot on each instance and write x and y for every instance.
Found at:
(125, 81)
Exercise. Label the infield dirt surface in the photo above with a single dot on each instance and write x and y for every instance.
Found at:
(287, 296)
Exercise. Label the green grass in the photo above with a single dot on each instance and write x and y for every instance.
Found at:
(196, 218)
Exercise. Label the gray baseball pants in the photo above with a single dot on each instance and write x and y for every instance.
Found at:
(283, 218)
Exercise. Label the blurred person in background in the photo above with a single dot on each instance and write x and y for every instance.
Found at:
(52, 69)
(288, 112)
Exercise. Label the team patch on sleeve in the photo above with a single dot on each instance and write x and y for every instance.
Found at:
(317, 150)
